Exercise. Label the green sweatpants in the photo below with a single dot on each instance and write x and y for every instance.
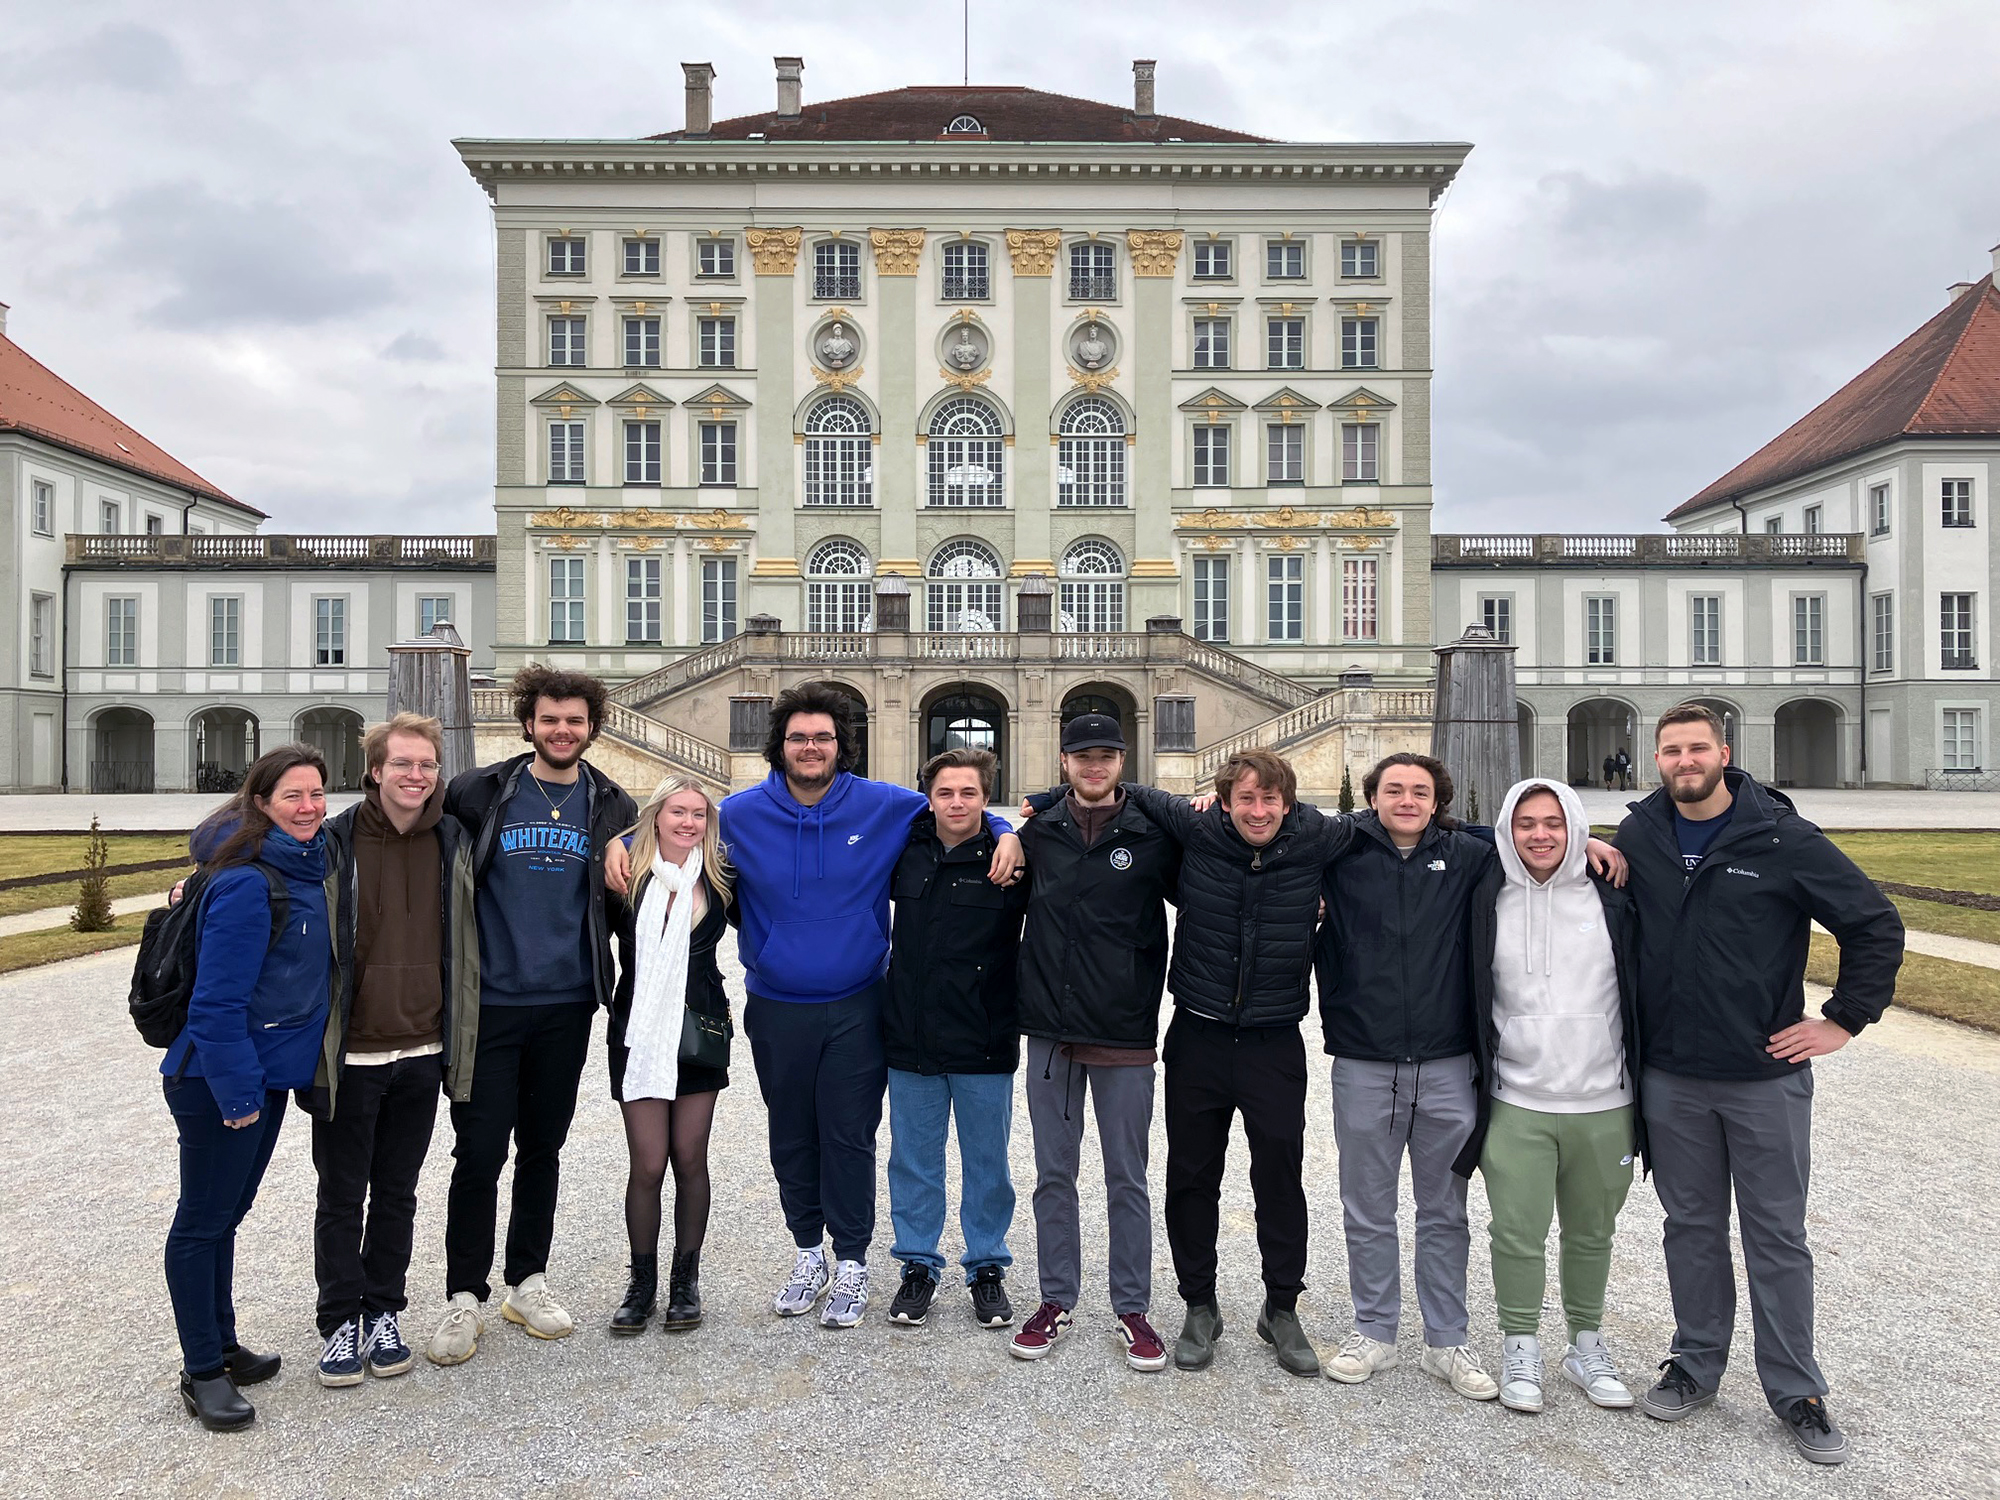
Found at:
(1536, 1164)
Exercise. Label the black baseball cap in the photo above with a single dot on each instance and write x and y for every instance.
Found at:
(1092, 732)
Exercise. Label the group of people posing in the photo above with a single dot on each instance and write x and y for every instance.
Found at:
(1523, 1001)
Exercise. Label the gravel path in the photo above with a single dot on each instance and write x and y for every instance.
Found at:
(749, 1406)
(58, 916)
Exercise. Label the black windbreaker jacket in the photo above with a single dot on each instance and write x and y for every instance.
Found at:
(1723, 951)
(1094, 953)
(953, 946)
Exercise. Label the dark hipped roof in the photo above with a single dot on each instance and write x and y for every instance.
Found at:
(1941, 381)
(1008, 113)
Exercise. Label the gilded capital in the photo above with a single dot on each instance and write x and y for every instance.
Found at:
(896, 250)
(1153, 251)
(1033, 251)
(774, 252)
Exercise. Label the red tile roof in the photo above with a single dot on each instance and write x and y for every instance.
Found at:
(37, 401)
(1941, 381)
(1009, 114)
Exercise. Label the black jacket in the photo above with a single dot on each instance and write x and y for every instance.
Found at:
(1394, 955)
(476, 795)
(1094, 952)
(1723, 954)
(705, 994)
(950, 1003)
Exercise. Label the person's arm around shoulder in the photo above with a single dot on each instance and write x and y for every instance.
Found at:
(1869, 931)
(1006, 865)
(235, 936)
(1176, 815)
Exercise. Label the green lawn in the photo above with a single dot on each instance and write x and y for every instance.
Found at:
(48, 897)
(1966, 993)
(48, 853)
(27, 949)
(1951, 921)
(1968, 861)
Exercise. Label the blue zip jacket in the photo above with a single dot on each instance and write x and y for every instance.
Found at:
(255, 1019)
(812, 883)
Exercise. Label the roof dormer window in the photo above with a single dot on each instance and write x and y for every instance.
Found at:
(964, 125)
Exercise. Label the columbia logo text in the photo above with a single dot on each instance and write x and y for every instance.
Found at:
(1739, 870)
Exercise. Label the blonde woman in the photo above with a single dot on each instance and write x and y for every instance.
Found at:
(676, 916)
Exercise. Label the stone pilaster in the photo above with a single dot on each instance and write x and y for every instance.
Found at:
(1155, 587)
(897, 253)
(1033, 254)
(774, 255)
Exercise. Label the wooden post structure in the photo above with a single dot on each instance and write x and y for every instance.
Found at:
(1475, 725)
(432, 675)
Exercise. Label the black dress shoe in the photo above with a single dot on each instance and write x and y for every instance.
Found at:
(683, 1294)
(246, 1368)
(640, 1294)
(216, 1403)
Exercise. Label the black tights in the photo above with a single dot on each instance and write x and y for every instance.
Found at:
(654, 1130)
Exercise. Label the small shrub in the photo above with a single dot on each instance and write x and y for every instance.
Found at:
(93, 895)
(1346, 790)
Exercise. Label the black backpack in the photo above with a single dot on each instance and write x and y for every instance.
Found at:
(163, 974)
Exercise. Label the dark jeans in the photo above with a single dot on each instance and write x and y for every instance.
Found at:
(370, 1153)
(524, 1079)
(822, 1074)
(1213, 1071)
(220, 1171)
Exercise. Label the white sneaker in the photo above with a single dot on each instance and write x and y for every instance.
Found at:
(535, 1308)
(457, 1337)
(1521, 1372)
(1588, 1364)
(809, 1279)
(847, 1303)
(1459, 1368)
(1359, 1357)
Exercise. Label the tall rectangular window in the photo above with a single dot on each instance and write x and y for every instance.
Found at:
(1285, 581)
(1808, 630)
(1285, 344)
(1882, 630)
(715, 343)
(1955, 648)
(1960, 739)
(565, 453)
(1956, 495)
(433, 610)
(566, 341)
(1358, 343)
(42, 635)
(718, 599)
(155, 525)
(107, 517)
(715, 257)
(642, 256)
(121, 632)
(1878, 510)
(642, 343)
(642, 452)
(329, 632)
(965, 271)
(565, 255)
(642, 601)
(1774, 525)
(1359, 444)
(837, 269)
(1284, 260)
(1093, 274)
(1705, 630)
(718, 453)
(1814, 516)
(1211, 456)
(225, 631)
(1211, 599)
(1358, 260)
(565, 601)
(44, 507)
(1284, 453)
(1211, 260)
(1600, 629)
(1211, 343)
(1496, 613)
(1357, 598)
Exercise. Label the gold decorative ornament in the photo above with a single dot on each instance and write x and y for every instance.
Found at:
(965, 382)
(560, 519)
(1209, 520)
(1033, 251)
(1358, 543)
(566, 411)
(1153, 251)
(774, 252)
(567, 543)
(645, 543)
(1288, 544)
(896, 250)
(837, 380)
(1093, 380)
(1357, 518)
(714, 520)
(1287, 518)
(1211, 543)
(718, 543)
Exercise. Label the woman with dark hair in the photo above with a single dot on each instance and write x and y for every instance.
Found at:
(256, 1017)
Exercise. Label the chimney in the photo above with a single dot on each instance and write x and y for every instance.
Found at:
(3, 320)
(1956, 290)
(789, 69)
(1995, 253)
(700, 111)
(1142, 88)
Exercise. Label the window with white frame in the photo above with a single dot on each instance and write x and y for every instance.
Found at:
(837, 269)
(1774, 525)
(1357, 598)
(642, 342)
(155, 525)
(42, 635)
(565, 255)
(962, 587)
(642, 601)
(565, 601)
(1882, 629)
(1093, 272)
(966, 272)
(839, 461)
(329, 631)
(1285, 596)
(1955, 647)
(1960, 738)
(1956, 495)
(965, 125)
(1211, 456)
(1212, 260)
(107, 517)
(44, 507)
(1878, 509)
(642, 453)
(1600, 630)
(1496, 613)
(715, 257)
(566, 452)
(1705, 630)
(1360, 442)
(1093, 588)
(642, 256)
(1284, 453)
(718, 453)
(1285, 344)
(433, 610)
(718, 599)
(121, 632)
(1358, 343)
(1211, 599)
(1211, 343)
(1808, 630)
(225, 631)
(965, 454)
(1814, 515)
(1284, 260)
(1090, 454)
(1359, 260)
(566, 341)
(715, 343)
(840, 588)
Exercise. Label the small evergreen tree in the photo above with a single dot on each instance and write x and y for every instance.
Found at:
(1472, 805)
(1346, 790)
(93, 896)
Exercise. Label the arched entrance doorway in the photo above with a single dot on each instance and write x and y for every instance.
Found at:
(860, 709)
(1114, 702)
(1599, 727)
(1524, 717)
(1732, 721)
(336, 734)
(1808, 743)
(121, 751)
(224, 742)
(967, 716)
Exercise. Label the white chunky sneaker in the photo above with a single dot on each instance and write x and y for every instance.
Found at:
(847, 1303)
(1459, 1368)
(1359, 1357)
(1588, 1365)
(535, 1308)
(1521, 1372)
(457, 1337)
(809, 1278)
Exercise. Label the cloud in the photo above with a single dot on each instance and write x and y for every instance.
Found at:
(124, 56)
(411, 347)
(1641, 207)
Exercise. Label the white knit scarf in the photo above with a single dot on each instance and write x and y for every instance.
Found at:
(659, 991)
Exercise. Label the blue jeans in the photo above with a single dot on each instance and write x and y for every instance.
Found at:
(220, 1171)
(920, 1105)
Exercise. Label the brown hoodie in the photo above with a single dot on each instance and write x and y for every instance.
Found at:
(398, 930)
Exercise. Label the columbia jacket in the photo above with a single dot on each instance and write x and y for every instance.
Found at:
(1723, 955)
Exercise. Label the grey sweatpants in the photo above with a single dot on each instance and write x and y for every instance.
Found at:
(1704, 1138)
(1123, 1102)
(1379, 1111)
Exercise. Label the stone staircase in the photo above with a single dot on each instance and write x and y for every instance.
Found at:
(635, 749)
(1347, 729)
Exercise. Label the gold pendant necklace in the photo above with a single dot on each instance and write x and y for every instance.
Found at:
(555, 810)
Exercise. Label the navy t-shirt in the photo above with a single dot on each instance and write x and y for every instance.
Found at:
(1696, 836)
(534, 903)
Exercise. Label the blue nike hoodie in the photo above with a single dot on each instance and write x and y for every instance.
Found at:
(812, 883)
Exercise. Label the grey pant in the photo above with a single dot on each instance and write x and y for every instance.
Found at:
(1123, 1100)
(1379, 1111)
(1703, 1137)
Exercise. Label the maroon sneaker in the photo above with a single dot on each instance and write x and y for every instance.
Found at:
(1039, 1334)
(1143, 1347)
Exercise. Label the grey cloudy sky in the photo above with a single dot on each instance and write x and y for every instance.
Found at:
(242, 228)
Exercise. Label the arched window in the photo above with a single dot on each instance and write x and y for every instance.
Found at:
(840, 588)
(962, 591)
(966, 454)
(1090, 455)
(964, 125)
(1093, 587)
(840, 468)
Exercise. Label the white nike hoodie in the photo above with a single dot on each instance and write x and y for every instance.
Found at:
(1555, 985)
